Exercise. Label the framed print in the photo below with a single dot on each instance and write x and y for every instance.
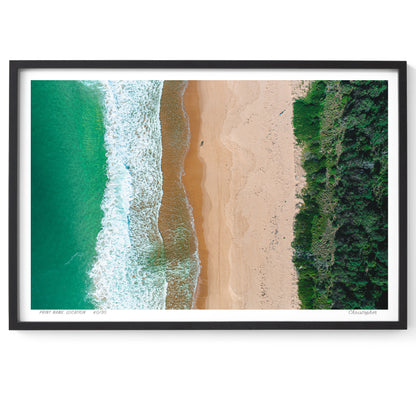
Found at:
(208, 195)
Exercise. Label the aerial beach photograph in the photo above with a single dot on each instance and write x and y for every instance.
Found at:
(209, 194)
(209, 208)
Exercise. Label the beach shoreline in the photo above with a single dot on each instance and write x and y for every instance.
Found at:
(242, 173)
(192, 179)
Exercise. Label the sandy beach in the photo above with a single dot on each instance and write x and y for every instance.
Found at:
(242, 174)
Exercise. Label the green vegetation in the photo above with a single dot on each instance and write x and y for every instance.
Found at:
(341, 228)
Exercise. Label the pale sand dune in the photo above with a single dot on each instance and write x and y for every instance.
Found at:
(244, 198)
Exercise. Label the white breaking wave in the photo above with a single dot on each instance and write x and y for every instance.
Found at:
(129, 271)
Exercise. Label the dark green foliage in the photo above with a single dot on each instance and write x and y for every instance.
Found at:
(341, 228)
(307, 111)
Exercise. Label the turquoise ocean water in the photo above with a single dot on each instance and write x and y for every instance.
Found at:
(97, 187)
(68, 171)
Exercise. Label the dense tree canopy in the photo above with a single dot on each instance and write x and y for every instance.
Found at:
(340, 239)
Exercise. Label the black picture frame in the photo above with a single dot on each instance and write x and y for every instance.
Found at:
(16, 66)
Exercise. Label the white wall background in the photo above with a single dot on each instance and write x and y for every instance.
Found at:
(206, 373)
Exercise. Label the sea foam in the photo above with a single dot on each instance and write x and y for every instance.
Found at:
(130, 271)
